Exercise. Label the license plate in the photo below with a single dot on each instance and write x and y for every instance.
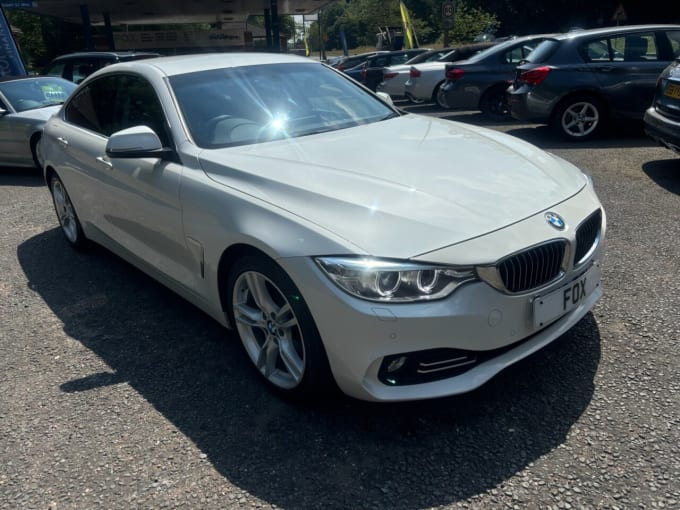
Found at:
(672, 90)
(561, 301)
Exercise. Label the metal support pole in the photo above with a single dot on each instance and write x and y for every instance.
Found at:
(268, 28)
(87, 27)
(276, 33)
(109, 32)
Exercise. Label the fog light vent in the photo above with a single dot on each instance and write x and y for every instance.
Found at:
(396, 364)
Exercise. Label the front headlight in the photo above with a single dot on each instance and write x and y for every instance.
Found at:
(393, 281)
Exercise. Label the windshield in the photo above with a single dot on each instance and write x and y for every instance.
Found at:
(32, 93)
(244, 105)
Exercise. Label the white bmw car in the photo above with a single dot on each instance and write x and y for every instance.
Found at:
(255, 186)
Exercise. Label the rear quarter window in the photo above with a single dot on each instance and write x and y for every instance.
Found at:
(543, 51)
(674, 39)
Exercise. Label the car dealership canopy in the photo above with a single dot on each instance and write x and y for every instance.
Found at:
(131, 12)
(227, 17)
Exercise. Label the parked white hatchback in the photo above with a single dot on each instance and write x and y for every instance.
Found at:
(255, 186)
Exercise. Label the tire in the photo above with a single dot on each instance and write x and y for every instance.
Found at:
(66, 213)
(579, 118)
(441, 99)
(35, 150)
(494, 103)
(276, 329)
(435, 92)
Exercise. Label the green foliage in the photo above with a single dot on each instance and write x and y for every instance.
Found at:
(362, 19)
(470, 22)
(30, 41)
(43, 38)
(286, 23)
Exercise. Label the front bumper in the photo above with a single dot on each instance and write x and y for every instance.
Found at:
(362, 337)
(663, 130)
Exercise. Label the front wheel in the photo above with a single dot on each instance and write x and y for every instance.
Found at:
(68, 219)
(276, 328)
(36, 151)
(579, 118)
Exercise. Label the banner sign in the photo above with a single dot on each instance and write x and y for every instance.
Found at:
(158, 39)
(10, 59)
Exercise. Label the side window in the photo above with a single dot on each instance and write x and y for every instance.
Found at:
(56, 69)
(378, 62)
(636, 47)
(674, 39)
(83, 68)
(514, 55)
(399, 59)
(597, 51)
(139, 106)
(92, 107)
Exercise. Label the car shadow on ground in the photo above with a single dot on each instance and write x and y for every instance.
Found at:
(339, 453)
(665, 172)
(24, 177)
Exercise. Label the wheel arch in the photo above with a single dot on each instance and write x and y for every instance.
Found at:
(33, 143)
(435, 90)
(491, 88)
(229, 256)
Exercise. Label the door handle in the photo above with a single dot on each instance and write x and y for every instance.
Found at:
(62, 141)
(104, 162)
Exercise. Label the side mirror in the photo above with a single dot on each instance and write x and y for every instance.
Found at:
(2, 111)
(385, 97)
(135, 142)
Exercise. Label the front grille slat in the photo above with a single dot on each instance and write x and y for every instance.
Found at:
(587, 236)
(532, 268)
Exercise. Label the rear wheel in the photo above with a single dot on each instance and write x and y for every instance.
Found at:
(435, 92)
(579, 118)
(276, 328)
(494, 103)
(70, 224)
(441, 99)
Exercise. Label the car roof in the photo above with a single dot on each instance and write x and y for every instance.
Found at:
(25, 77)
(577, 34)
(183, 64)
(118, 54)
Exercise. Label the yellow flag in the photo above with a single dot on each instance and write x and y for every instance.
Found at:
(408, 28)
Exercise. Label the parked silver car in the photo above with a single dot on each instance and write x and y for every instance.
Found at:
(255, 186)
(395, 77)
(25, 105)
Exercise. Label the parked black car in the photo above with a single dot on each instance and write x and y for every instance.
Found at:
(351, 61)
(78, 66)
(372, 71)
(662, 119)
(579, 81)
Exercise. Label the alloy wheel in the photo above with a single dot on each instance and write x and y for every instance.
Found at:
(269, 329)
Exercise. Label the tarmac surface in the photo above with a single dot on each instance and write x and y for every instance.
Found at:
(117, 394)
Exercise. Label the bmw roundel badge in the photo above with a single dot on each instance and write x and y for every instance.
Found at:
(555, 220)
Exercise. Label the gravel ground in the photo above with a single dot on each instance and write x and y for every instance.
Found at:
(116, 394)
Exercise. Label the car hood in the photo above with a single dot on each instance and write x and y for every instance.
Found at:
(39, 114)
(400, 187)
